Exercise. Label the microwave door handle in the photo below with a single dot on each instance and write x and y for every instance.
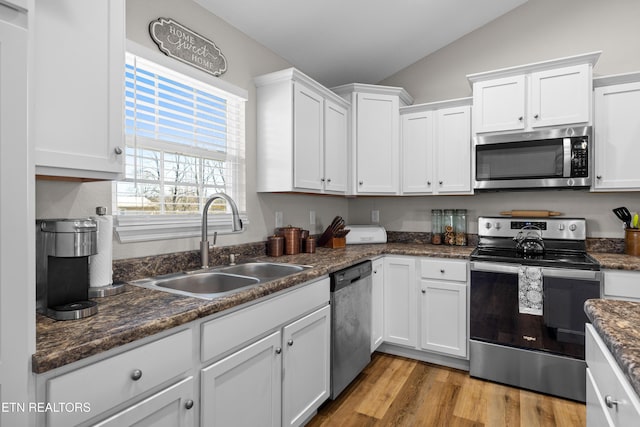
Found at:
(566, 148)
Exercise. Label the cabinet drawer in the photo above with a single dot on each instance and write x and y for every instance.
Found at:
(108, 383)
(610, 381)
(227, 332)
(443, 269)
(622, 284)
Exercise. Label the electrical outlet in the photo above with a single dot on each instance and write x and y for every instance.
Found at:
(279, 219)
(375, 216)
(312, 217)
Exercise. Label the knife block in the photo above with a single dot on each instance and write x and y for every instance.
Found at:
(336, 242)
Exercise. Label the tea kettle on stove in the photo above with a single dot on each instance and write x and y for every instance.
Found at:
(529, 241)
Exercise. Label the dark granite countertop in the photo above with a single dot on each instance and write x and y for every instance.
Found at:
(615, 261)
(141, 312)
(618, 324)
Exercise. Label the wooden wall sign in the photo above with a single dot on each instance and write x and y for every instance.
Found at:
(177, 41)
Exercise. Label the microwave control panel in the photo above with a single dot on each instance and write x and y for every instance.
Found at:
(579, 158)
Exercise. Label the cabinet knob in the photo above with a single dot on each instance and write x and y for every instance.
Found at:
(428, 182)
(536, 116)
(375, 271)
(278, 350)
(188, 404)
(424, 291)
(136, 374)
(117, 150)
(520, 118)
(442, 270)
(360, 182)
(440, 182)
(328, 179)
(321, 179)
(599, 177)
(610, 402)
(290, 343)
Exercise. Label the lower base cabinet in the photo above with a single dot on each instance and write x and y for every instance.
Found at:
(279, 380)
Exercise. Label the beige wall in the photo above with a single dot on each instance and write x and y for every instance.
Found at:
(246, 59)
(536, 31)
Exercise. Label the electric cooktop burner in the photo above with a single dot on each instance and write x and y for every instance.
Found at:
(564, 242)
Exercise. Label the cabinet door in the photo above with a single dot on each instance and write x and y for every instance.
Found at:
(377, 304)
(417, 152)
(400, 305)
(77, 99)
(617, 134)
(453, 150)
(560, 96)
(244, 389)
(444, 317)
(498, 104)
(306, 363)
(308, 123)
(377, 143)
(335, 147)
(172, 407)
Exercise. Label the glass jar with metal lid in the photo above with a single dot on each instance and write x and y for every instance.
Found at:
(448, 236)
(436, 226)
(460, 227)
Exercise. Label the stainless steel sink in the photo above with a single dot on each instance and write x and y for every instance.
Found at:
(216, 282)
(265, 271)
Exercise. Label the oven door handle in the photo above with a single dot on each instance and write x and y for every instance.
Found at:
(495, 267)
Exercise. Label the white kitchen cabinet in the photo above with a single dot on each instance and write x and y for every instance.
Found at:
(611, 401)
(244, 389)
(436, 148)
(550, 93)
(616, 129)
(121, 378)
(620, 284)
(302, 135)
(443, 306)
(306, 365)
(77, 99)
(375, 119)
(283, 377)
(377, 303)
(172, 407)
(400, 301)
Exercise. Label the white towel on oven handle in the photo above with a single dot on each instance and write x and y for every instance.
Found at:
(530, 292)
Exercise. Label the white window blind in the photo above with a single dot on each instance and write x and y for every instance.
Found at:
(184, 143)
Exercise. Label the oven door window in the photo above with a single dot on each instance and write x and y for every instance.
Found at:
(495, 316)
(520, 160)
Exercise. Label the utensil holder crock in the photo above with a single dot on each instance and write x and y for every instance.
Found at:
(632, 241)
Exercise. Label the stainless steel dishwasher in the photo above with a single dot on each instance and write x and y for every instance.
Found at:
(350, 324)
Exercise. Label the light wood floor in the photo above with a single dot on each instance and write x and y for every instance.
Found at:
(395, 391)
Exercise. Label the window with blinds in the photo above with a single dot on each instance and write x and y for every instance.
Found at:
(184, 143)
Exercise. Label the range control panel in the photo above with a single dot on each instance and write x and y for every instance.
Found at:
(550, 228)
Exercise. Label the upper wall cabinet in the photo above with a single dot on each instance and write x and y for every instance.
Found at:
(436, 148)
(617, 132)
(550, 93)
(77, 88)
(375, 153)
(302, 135)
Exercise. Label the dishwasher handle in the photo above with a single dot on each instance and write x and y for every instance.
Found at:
(349, 275)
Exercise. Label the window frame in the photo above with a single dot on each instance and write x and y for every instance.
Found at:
(140, 227)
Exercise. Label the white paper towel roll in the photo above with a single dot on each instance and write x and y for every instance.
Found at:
(100, 268)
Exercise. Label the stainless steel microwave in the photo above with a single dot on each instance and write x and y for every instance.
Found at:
(550, 158)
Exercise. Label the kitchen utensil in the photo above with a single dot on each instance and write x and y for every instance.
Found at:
(624, 215)
(634, 223)
(530, 213)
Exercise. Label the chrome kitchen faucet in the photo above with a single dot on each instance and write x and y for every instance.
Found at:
(236, 225)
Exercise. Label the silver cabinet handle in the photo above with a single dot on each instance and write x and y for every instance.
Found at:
(278, 350)
(442, 270)
(321, 179)
(188, 404)
(440, 182)
(290, 343)
(136, 374)
(428, 182)
(117, 150)
(536, 116)
(424, 291)
(328, 179)
(610, 402)
(361, 182)
(520, 118)
(599, 177)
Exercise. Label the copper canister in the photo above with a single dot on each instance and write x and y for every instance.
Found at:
(276, 245)
(291, 240)
(310, 245)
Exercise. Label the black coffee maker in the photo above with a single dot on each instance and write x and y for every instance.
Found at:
(63, 247)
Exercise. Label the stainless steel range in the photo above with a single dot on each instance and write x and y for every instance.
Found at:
(530, 278)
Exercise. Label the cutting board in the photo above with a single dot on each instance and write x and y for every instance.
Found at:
(530, 214)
